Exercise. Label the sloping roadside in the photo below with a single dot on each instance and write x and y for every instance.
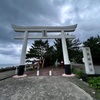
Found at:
(6, 74)
(42, 88)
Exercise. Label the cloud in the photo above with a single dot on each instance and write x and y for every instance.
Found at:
(8, 59)
(85, 13)
(10, 49)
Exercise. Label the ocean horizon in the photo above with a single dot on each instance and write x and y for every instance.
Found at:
(7, 65)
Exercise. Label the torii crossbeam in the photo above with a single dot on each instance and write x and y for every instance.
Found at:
(45, 31)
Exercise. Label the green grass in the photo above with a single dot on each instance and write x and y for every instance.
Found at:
(94, 82)
(7, 69)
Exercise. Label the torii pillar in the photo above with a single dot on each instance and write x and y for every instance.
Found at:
(65, 54)
(21, 67)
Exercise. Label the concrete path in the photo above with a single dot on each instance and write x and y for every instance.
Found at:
(42, 88)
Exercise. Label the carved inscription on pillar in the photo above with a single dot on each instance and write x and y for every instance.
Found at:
(87, 59)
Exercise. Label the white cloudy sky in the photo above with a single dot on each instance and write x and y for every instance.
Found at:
(85, 13)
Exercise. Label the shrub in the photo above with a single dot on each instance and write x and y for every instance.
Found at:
(94, 82)
(30, 69)
(78, 72)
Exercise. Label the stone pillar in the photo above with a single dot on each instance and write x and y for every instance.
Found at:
(89, 68)
(23, 55)
(65, 54)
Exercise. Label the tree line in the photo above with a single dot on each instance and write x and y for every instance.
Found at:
(53, 53)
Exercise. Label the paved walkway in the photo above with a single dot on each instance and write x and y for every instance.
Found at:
(45, 71)
(43, 88)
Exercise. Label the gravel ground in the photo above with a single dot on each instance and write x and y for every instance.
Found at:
(44, 88)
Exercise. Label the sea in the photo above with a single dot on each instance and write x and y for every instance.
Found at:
(7, 65)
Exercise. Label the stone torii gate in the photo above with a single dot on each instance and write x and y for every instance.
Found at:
(44, 30)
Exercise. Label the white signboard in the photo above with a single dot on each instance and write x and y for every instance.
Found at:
(87, 59)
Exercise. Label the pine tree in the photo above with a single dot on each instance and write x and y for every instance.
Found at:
(73, 49)
(36, 51)
(94, 44)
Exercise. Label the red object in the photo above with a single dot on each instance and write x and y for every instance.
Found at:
(43, 62)
(62, 64)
